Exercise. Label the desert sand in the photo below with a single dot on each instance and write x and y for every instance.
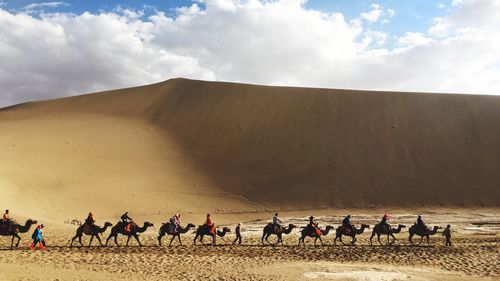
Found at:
(475, 253)
(242, 152)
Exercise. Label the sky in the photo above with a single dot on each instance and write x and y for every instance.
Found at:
(51, 49)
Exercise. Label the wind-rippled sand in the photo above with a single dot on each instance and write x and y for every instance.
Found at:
(475, 255)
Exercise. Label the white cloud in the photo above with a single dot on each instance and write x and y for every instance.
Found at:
(456, 2)
(377, 13)
(414, 39)
(266, 42)
(45, 5)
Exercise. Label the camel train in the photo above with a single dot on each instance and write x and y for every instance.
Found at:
(174, 230)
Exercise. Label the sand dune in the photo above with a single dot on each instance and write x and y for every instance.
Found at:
(222, 147)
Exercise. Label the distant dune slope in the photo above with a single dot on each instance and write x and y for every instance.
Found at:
(196, 145)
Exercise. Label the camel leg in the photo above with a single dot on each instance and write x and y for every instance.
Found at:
(72, 240)
(393, 239)
(137, 238)
(410, 239)
(12, 241)
(262, 239)
(128, 239)
(213, 239)
(267, 236)
(371, 237)
(179, 238)
(378, 238)
(159, 238)
(201, 239)
(280, 239)
(421, 239)
(116, 240)
(172, 239)
(195, 237)
(99, 239)
(91, 238)
(427, 240)
(318, 237)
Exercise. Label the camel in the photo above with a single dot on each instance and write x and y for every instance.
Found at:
(135, 229)
(164, 228)
(204, 230)
(15, 229)
(309, 232)
(417, 230)
(342, 230)
(269, 230)
(380, 229)
(95, 231)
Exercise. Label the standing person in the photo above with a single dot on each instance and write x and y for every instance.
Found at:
(127, 221)
(238, 234)
(447, 234)
(38, 238)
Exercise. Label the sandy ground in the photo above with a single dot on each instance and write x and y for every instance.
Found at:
(474, 255)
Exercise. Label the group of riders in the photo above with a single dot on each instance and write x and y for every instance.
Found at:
(175, 223)
(346, 223)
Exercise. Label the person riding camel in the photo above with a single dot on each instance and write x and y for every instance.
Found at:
(420, 223)
(385, 221)
(127, 221)
(90, 219)
(277, 223)
(346, 222)
(210, 224)
(175, 222)
(314, 225)
(7, 220)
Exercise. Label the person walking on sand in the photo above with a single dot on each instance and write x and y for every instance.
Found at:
(447, 234)
(238, 234)
(38, 238)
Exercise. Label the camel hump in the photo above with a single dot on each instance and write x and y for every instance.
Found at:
(87, 229)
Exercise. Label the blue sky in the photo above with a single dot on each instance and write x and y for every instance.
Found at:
(410, 15)
(53, 49)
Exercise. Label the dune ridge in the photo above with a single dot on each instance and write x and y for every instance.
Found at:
(227, 147)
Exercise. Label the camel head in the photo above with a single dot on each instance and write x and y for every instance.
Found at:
(148, 224)
(291, 226)
(108, 224)
(226, 229)
(190, 225)
(30, 221)
(365, 226)
(329, 227)
(436, 227)
(402, 225)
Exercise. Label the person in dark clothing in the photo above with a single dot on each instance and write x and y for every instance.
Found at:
(346, 222)
(90, 219)
(127, 221)
(420, 222)
(238, 234)
(314, 225)
(447, 234)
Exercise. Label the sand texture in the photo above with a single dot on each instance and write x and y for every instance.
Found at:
(200, 146)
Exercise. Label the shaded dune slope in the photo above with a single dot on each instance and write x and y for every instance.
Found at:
(195, 145)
